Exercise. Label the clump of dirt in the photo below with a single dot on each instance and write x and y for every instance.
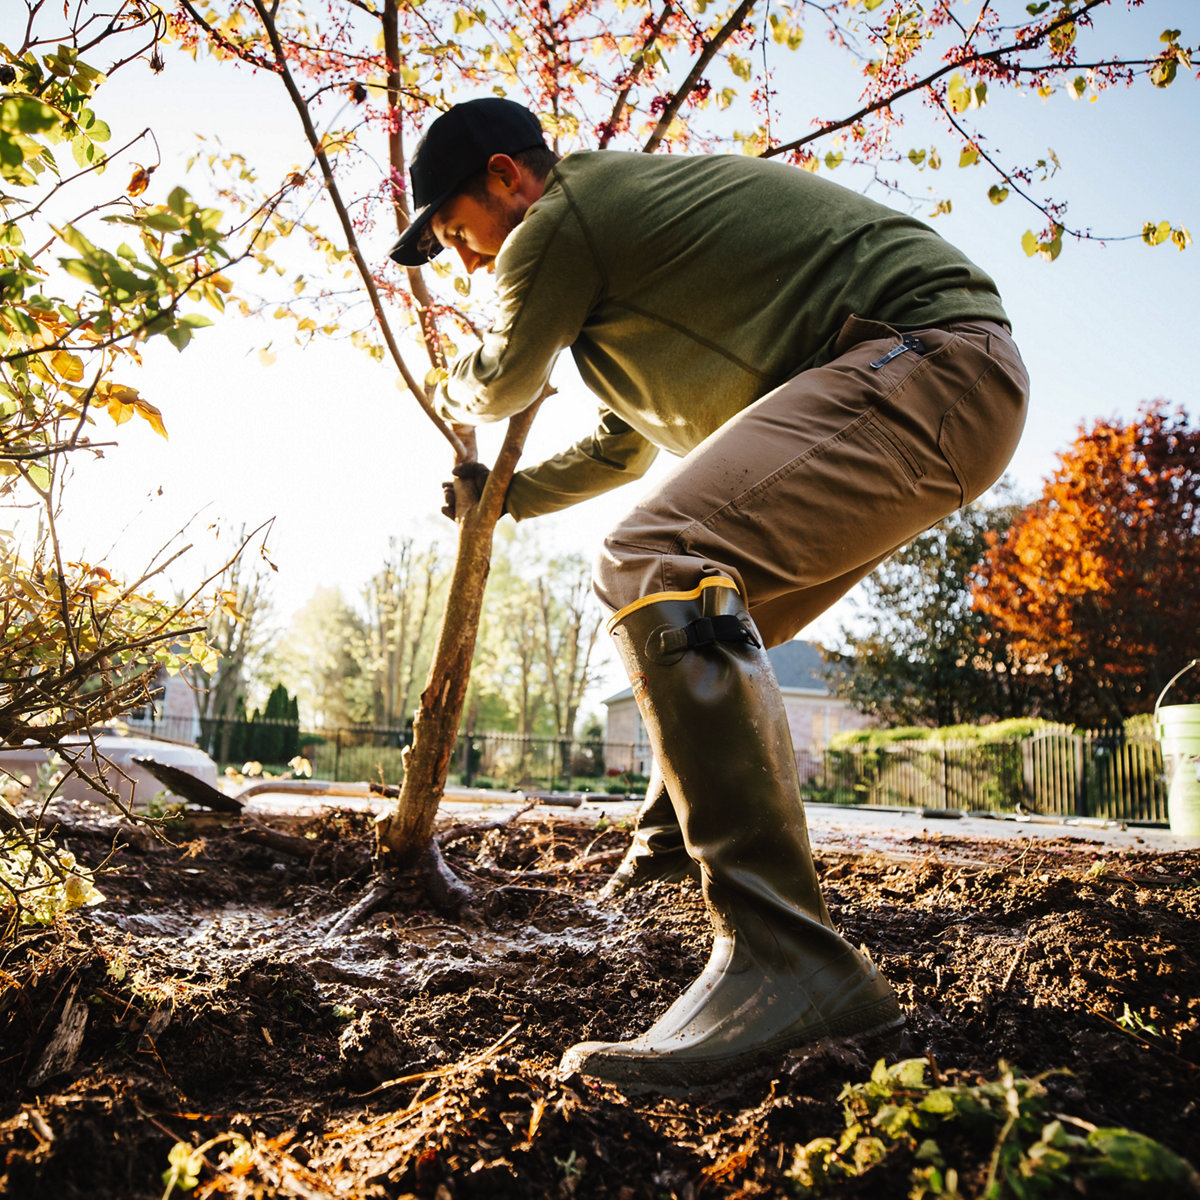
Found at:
(202, 1008)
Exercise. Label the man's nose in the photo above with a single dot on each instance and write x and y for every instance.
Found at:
(470, 259)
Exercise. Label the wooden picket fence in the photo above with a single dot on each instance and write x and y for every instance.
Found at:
(1059, 771)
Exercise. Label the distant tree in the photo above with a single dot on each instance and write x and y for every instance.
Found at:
(273, 735)
(1097, 584)
(509, 663)
(402, 602)
(922, 655)
(536, 652)
(570, 621)
(316, 659)
(238, 631)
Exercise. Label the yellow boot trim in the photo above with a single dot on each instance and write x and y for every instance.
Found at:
(709, 581)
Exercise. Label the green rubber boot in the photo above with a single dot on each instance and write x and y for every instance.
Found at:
(657, 852)
(779, 976)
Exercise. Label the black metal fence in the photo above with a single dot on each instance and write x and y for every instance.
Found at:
(1057, 770)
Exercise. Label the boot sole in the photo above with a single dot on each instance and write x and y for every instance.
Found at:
(671, 1075)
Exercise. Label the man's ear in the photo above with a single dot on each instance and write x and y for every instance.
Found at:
(505, 171)
(510, 178)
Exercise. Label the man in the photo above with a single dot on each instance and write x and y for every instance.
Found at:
(835, 379)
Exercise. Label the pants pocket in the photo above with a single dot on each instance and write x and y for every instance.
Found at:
(893, 445)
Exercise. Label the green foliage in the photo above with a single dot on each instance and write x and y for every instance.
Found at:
(38, 881)
(535, 655)
(78, 300)
(973, 767)
(939, 1131)
(186, 1163)
(1012, 729)
(921, 654)
(274, 735)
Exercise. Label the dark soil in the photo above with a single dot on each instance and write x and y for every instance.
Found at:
(418, 1055)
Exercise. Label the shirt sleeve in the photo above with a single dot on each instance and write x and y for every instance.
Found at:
(612, 455)
(547, 282)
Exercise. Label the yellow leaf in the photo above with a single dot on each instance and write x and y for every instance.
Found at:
(119, 412)
(152, 416)
(266, 357)
(67, 366)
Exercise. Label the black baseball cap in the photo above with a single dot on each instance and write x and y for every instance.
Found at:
(455, 147)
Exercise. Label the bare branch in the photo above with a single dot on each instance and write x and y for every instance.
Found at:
(281, 68)
(736, 20)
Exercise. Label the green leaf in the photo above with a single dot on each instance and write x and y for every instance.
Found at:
(958, 93)
(1155, 235)
(1134, 1158)
(179, 336)
(909, 1072)
(871, 5)
(27, 114)
(1169, 36)
(1036, 10)
(916, 157)
(740, 67)
(180, 202)
(833, 161)
(997, 194)
(184, 1170)
(11, 153)
(1162, 74)
(1029, 243)
(39, 475)
(161, 220)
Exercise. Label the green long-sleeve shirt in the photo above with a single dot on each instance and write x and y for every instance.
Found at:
(686, 288)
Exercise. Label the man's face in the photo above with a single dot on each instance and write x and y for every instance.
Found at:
(476, 226)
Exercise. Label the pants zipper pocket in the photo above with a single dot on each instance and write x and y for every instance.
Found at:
(907, 342)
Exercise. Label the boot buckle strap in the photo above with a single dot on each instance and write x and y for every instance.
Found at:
(704, 631)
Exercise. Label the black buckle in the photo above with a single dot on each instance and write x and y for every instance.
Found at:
(704, 631)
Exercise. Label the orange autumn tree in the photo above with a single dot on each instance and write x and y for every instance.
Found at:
(1095, 585)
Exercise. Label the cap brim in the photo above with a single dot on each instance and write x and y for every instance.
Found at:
(414, 249)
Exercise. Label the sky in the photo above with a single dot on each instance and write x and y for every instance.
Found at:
(322, 442)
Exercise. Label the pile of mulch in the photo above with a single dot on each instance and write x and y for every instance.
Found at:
(201, 1020)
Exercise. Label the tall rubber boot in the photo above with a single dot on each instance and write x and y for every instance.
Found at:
(657, 852)
(779, 976)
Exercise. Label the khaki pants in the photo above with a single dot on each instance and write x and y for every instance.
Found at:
(803, 493)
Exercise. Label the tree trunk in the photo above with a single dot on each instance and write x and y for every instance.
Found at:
(405, 835)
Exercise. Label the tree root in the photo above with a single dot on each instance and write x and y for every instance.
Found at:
(429, 875)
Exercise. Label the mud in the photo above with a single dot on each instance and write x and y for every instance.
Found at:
(201, 1004)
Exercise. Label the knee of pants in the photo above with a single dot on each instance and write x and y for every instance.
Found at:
(618, 580)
